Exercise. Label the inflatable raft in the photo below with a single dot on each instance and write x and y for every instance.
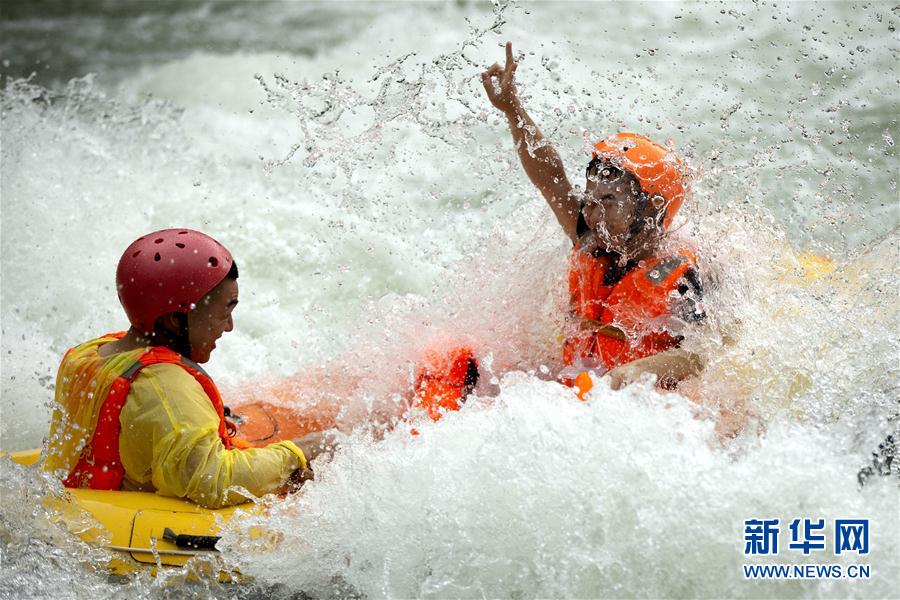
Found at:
(146, 530)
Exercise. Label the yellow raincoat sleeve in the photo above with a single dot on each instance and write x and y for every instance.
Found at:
(170, 442)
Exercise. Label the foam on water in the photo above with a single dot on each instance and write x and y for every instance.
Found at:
(374, 204)
(532, 494)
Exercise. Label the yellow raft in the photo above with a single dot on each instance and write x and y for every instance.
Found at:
(146, 530)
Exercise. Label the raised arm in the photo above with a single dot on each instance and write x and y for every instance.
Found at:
(539, 158)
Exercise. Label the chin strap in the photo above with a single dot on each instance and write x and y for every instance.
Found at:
(184, 340)
(178, 342)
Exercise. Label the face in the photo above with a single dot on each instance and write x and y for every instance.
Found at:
(611, 201)
(211, 319)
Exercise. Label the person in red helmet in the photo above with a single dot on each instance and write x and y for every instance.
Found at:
(136, 411)
(630, 293)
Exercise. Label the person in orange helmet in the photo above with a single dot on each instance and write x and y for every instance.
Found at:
(630, 292)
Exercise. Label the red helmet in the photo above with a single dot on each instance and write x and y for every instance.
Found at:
(656, 168)
(168, 271)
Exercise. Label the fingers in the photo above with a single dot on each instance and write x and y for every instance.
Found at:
(619, 378)
(298, 478)
(488, 86)
(511, 65)
(494, 71)
(509, 76)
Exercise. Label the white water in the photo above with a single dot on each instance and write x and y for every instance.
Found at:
(402, 217)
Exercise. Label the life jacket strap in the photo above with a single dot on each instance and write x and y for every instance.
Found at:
(605, 329)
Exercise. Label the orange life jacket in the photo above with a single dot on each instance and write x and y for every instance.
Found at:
(444, 380)
(637, 307)
(99, 466)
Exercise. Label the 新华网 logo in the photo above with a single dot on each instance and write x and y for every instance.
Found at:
(763, 537)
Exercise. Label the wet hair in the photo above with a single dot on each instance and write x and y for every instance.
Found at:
(233, 271)
(180, 341)
(605, 167)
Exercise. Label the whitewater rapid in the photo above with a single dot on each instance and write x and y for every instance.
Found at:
(374, 204)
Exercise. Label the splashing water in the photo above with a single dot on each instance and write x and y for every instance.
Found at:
(535, 495)
(374, 203)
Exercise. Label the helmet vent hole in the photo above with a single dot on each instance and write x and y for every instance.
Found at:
(182, 233)
(157, 257)
(179, 244)
(158, 241)
(213, 261)
(135, 254)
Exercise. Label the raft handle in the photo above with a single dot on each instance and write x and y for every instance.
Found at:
(198, 542)
(133, 550)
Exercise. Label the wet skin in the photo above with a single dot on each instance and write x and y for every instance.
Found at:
(611, 203)
(211, 319)
(206, 323)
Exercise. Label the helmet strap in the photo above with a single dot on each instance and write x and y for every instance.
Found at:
(179, 340)
(184, 340)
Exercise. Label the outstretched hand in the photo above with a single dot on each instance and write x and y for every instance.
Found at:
(500, 84)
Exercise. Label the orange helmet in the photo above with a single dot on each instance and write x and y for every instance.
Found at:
(656, 168)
